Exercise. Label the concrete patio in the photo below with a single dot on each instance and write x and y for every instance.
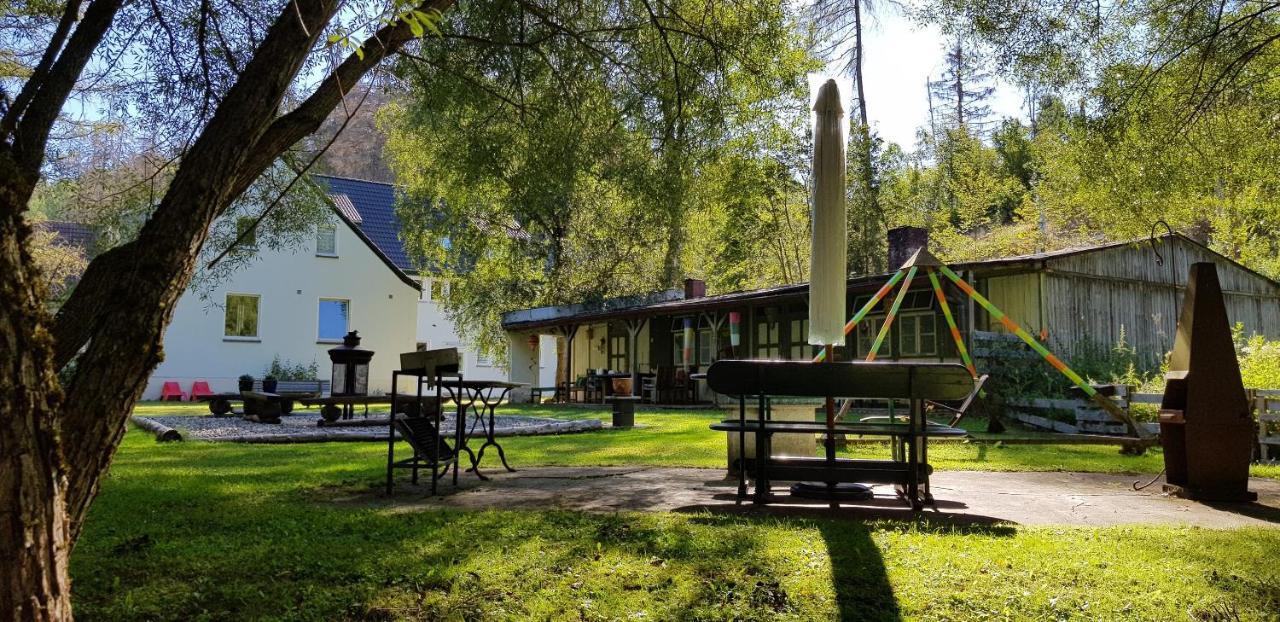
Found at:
(1079, 499)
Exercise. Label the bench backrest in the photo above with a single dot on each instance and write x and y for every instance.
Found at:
(431, 362)
(319, 387)
(931, 381)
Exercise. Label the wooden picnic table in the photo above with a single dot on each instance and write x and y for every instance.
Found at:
(908, 469)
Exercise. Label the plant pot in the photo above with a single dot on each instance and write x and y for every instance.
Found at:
(269, 386)
(246, 385)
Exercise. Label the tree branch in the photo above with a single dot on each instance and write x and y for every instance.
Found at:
(69, 15)
(31, 133)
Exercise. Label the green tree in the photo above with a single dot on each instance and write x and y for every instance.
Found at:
(556, 169)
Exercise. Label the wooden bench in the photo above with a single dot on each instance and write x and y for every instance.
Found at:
(535, 394)
(624, 410)
(290, 391)
(1268, 409)
(908, 470)
(262, 407)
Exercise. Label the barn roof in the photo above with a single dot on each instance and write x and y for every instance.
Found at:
(71, 234)
(674, 303)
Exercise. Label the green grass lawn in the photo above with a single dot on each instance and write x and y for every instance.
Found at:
(682, 438)
(204, 531)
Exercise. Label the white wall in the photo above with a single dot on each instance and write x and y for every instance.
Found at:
(536, 369)
(290, 283)
(437, 331)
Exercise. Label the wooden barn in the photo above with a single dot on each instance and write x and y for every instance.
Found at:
(1096, 294)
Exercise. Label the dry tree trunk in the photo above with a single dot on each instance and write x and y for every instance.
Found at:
(54, 453)
(34, 542)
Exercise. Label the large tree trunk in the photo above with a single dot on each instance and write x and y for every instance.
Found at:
(34, 543)
(869, 227)
(114, 320)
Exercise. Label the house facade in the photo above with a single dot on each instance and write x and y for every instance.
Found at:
(352, 274)
(1096, 294)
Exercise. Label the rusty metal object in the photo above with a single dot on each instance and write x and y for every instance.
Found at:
(1205, 425)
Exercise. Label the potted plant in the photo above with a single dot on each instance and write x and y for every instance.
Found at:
(269, 384)
(246, 382)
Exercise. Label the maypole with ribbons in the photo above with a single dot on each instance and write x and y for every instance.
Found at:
(923, 258)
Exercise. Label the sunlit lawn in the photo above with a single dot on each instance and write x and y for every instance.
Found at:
(682, 438)
(193, 531)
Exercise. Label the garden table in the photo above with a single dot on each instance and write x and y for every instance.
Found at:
(489, 393)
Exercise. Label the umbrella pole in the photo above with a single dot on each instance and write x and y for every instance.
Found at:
(831, 433)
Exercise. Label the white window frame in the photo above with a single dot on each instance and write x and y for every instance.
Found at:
(257, 325)
(322, 300)
(333, 227)
(919, 349)
(706, 349)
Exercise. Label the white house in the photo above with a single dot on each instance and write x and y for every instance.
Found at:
(353, 275)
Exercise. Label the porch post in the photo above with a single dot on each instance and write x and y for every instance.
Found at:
(633, 331)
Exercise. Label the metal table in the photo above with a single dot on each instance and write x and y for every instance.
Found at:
(465, 394)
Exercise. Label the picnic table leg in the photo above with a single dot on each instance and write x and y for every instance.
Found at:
(913, 456)
(742, 448)
(491, 433)
(762, 457)
(391, 433)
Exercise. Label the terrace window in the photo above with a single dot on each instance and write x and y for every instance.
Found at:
(706, 347)
(618, 344)
(799, 349)
(918, 335)
(767, 342)
(241, 322)
(868, 328)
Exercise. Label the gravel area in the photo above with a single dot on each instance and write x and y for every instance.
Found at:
(302, 428)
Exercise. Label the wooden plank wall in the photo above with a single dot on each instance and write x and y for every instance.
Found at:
(1095, 295)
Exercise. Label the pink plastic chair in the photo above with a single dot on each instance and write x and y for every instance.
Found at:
(200, 388)
(171, 390)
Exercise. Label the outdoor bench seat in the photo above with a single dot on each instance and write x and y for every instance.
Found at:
(535, 393)
(857, 429)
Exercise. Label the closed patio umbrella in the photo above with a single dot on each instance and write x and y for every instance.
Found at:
(828, 265)
(830, 242)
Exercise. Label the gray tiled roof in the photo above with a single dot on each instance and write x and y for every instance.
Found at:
(375, 204)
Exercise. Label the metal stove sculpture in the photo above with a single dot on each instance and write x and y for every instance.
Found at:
(1205, 425)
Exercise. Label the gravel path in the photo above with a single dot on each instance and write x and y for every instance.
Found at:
(302, 428)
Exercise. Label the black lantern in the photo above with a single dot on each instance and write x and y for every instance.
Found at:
(350, 367)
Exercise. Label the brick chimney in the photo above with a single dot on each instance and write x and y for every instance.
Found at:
(694, 288)
(904, 242)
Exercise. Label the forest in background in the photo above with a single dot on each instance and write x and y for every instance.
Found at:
(557, 162)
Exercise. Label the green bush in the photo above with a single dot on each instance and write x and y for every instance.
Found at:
(1017, 372)
(288, 370)
(1259, 360)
